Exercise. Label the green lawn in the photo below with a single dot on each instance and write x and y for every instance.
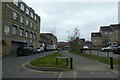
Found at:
(97, 58)
(50, 61)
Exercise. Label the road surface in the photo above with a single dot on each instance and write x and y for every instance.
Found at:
(13, 67)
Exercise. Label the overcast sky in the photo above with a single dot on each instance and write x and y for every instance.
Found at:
(61, 17)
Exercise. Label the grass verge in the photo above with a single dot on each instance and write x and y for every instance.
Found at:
(50, 61)
(97, 58)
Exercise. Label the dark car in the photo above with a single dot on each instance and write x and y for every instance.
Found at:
(117, 50)
(24, 51)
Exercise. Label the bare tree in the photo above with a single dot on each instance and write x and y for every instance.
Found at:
(76, 34)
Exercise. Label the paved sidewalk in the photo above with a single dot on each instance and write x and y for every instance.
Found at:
(84, 67)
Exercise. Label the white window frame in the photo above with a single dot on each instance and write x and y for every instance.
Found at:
(27, 22)
(22, 7)
(27, 11)
(6, 29)
(21, 32)
(31, 24)
(15, 2)
(26, 34)
(35, 17)
(21, 19)
(14, 15)
(14, 29)
(31, 14)
(31, 35)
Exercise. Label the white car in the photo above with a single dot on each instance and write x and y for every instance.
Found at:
(85, 47)
(109, 48)
(41, 49)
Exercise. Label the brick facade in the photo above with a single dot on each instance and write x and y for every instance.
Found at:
(15, 30)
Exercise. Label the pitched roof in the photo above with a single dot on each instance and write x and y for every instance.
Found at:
(106, 28)
(96, 34)
(115, 26)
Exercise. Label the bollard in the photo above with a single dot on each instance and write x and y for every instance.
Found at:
(67, 61)
(56, 61)
(71, 63)
(111, 63)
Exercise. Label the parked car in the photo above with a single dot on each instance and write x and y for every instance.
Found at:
(117, 50)
(41, 49)
(24, 51)
(109, 48)
(85, 47)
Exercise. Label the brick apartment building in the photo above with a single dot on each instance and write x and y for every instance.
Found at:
(20, 26)
(96, 39)
(108, 35)
(49, 40)
(116, 34)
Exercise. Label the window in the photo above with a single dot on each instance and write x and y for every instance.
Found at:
(21, 19)
(31, 35)
(27, 22)
(21, 32)
(22, 7)
(114, 43)
(15, 2)
(95, 40)
(14, 30)
(32, 14)
(105, 33)
(110, 33)
(7, 29)
(27, 11)
(35, 17)
(31, 24)
(34, 26)
(14, 15)
(26, 34)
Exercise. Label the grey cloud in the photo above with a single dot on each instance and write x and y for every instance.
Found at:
(88, 16)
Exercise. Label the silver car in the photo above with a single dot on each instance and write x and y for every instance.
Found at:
(109, 48)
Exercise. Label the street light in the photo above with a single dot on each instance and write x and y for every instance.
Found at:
(68, 35)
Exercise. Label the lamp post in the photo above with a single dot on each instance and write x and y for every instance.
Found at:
(68, 35)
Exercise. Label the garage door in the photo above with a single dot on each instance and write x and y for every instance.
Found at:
(14, 47)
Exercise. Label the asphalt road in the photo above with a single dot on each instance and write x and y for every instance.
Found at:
(13, 67)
